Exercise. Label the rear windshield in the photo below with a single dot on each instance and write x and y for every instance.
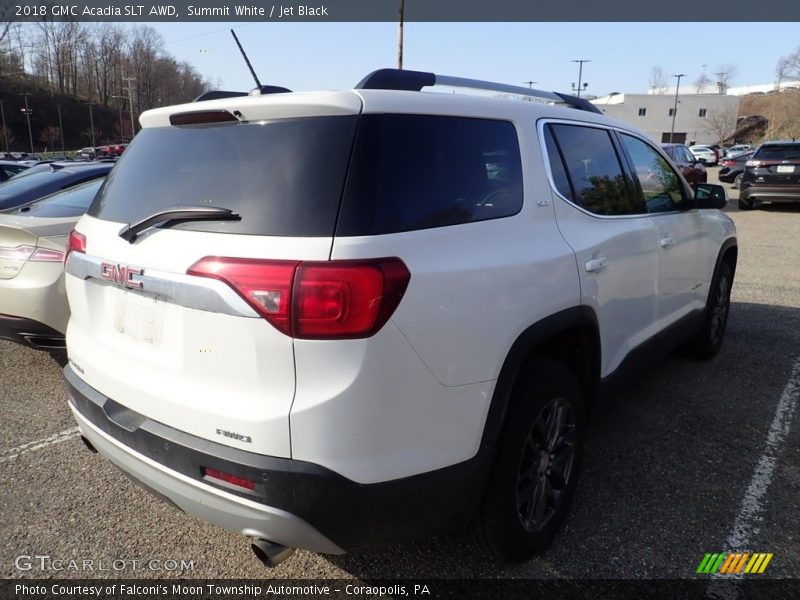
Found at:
(788, 152)
(283, 177)
(72, 202)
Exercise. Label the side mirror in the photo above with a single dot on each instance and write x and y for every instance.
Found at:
(709, 195)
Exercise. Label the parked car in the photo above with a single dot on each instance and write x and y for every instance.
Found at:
(364, 323)
(33, 304)
(9, 168)
(691, 168)
(732, 168)
(738, 150)
(48, 179)
(771, 175)
(705, 155)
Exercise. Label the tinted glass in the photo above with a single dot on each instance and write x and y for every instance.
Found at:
(560, 178)
(787, 152)
(283, 177)
(594, 170)
(418, 171)
(70, 203)
(659, 184)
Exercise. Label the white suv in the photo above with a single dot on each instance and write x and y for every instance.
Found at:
(331, 320)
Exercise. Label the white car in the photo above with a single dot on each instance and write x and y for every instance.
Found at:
(704, 154)
(331, 320)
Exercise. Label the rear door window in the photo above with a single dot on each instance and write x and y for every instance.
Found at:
(595, 173)
(413, 172)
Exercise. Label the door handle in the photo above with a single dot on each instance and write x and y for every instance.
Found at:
(596, 264)
(667, 242)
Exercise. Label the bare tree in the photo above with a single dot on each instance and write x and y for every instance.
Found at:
(788, 68)
(49, 136)
(722, 121)
(702, 82)
(658, 80)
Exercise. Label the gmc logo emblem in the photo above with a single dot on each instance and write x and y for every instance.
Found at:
(121, 275)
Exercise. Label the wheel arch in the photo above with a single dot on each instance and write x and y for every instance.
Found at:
(571, 337)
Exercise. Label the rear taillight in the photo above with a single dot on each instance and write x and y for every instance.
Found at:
(753, 163)
(344, 299)
(75, 243)
(31, 253)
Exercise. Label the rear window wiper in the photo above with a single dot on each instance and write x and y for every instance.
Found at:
(177, 214)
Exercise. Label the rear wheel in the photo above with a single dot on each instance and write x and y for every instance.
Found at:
(737, 181)
(745, 204)
(536, 464)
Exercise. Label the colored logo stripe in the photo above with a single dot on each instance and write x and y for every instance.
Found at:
(734, 563)
(758, 563)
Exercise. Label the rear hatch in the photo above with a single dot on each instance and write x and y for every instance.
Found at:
(775, 165)
(153, 326)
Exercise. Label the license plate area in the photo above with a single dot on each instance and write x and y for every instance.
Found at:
(785, 169)
(139, 316)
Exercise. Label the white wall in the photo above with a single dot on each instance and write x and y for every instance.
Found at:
(657, 119)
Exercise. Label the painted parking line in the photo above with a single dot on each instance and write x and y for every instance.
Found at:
(56, 438)
(747, 523)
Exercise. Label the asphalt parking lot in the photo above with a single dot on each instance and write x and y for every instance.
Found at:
(694, 457)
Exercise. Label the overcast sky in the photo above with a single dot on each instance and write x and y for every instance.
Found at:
(308, 56)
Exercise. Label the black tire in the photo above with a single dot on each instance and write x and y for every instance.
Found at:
(536, 464)
(745, 204)
(708, 342)
(737, 181)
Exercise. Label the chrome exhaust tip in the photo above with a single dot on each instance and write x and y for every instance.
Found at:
(269, 553)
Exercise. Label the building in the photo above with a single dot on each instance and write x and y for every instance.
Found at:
(700, 118)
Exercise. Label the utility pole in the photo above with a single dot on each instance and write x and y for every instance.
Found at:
(721, 82)
(400, 35)
(27, 112)
(91, 121)
(131, 81)
(3, 116)
(675, 108)
(60, 127)
(530, 83)
(580, 62)
(119, 105)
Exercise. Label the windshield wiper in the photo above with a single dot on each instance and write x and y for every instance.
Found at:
(177, 214)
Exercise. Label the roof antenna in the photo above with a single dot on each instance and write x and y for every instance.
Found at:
(247, 60)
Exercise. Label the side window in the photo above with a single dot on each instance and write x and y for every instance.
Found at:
(659, 183)
(560, 178)
(687, 156)
(594, 170)
(413, 172)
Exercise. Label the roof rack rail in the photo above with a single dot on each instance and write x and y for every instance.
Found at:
(264, 89)
(414, 81)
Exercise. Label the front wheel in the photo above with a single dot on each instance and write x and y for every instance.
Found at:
(536, 464)
(709, 341)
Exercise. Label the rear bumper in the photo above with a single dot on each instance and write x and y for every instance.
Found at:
(30, 333)
(294, 503)
(728, 176)
(785, 193)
